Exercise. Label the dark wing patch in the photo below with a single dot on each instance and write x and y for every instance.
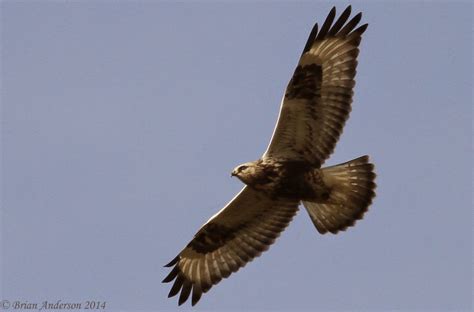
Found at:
(318, 98)
(210, 237)
(302, 85)
(241, 231)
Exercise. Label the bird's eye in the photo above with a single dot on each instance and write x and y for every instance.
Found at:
(242, 168)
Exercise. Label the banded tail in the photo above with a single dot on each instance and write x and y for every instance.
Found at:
(352, 190)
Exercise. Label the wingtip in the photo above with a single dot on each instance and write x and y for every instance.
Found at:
(178, 284)
(362, 28)
(358, 16)
(185, 292)
(172, 262)
(332, 13)
(311, 38)
(347, 10)
(172, 275)
(197, 293)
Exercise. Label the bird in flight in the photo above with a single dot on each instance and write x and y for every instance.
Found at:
(314, 109)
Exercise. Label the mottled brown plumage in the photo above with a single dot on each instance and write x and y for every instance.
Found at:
(314, 108)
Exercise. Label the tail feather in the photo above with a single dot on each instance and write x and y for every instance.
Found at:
(352, 188)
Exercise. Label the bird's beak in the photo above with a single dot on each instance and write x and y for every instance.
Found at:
(233, 174)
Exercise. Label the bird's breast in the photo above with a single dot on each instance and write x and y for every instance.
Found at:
(286, 180)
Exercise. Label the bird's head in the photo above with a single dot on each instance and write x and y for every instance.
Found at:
(245, 171)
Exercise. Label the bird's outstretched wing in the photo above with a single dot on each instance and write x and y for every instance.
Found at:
(241, 231)
(318, 98)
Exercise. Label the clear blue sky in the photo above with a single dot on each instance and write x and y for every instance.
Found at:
(121, 123)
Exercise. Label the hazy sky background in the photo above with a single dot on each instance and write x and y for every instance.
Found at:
(121, 123)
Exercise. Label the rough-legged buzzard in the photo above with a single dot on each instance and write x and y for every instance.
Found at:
(315, 106)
